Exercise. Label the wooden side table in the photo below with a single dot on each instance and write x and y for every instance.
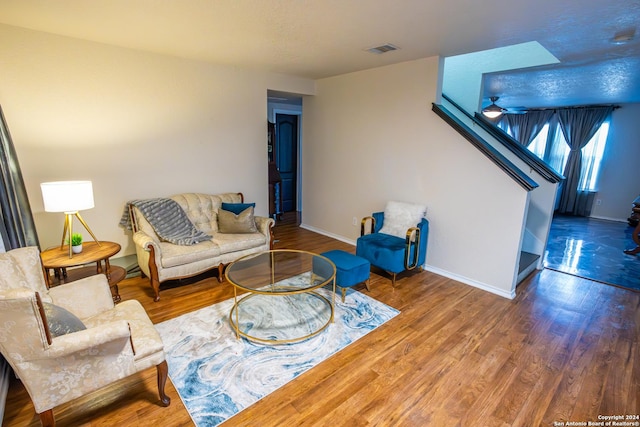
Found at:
(58, 260)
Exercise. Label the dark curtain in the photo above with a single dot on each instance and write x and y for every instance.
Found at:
(17, 227)
(525, 127)
(578, 126)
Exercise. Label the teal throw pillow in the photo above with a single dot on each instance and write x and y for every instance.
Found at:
(61, 321)
(236, 208)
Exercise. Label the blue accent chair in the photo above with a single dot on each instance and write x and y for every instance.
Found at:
(390, 253)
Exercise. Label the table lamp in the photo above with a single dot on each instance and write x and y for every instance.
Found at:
(68, 197)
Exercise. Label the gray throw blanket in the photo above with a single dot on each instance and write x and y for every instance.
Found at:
(169, 221)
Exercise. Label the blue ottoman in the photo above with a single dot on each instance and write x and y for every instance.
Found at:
(350, 269)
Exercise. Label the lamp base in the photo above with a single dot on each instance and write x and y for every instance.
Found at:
(68, 230)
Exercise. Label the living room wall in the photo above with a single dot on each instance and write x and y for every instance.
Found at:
(370, 137)
(619, 184)
(137, 124)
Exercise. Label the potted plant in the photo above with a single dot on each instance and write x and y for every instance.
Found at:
(76, 243)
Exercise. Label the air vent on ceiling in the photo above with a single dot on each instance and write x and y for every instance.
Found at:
(382, 49)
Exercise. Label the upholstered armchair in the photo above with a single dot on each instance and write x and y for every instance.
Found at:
(70, 340)
(395, 240)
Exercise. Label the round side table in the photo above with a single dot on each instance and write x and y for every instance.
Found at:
(57, 260)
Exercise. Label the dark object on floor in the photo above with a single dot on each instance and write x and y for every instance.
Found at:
(635, 235)
(634, 219)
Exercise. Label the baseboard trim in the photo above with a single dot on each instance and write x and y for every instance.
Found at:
(326, 233)
(471, 282)
(427, 267)
(606, 218)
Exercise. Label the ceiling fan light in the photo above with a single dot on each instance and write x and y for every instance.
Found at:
(493, 111)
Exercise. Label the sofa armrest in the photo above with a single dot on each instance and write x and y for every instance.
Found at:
(96, 340)
(85, 297)
(143, 240)
(265, 226)
(78, 363)
(147, 246)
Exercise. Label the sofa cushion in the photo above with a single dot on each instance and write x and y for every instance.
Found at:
(384, 251)
(201, 209)
(144, 336)
(238, 242)
(230, 223)
(174, 255)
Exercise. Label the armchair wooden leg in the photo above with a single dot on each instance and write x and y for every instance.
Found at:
(163, 373)
(46, 419)
(393, 280)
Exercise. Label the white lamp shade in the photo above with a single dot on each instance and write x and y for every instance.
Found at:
(67, 196)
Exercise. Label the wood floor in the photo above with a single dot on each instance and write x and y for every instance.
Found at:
(565, 349)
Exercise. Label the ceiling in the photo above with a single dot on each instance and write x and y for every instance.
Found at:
(323, 38)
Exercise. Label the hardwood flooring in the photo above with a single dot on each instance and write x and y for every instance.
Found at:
(565, 349)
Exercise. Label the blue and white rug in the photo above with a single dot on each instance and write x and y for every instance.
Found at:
(218, 375)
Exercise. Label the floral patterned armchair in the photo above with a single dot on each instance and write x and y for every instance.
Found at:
(69, 340)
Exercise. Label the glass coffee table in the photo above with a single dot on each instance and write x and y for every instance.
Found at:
(277, 295)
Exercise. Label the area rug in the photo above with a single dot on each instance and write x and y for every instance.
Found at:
(218, 375)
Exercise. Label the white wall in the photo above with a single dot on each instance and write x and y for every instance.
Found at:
(371, 136)
(619, 182)
(137, 124)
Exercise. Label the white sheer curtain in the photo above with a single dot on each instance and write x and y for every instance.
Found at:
(578, 126)
(592, 155)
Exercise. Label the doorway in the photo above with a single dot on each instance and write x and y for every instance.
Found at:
(284, 113)
(286, 150)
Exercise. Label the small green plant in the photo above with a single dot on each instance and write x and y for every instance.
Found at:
(76, 239)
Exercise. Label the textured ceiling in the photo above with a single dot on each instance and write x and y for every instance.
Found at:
(322, 38)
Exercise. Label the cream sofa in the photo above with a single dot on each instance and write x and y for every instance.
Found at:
(160, 260)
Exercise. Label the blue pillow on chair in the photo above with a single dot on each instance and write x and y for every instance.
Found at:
(236, 208)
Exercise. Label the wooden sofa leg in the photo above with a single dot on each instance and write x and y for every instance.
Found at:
(46, 418)
(153, 274)
(163, 372)
(155, 284)
(220, 273)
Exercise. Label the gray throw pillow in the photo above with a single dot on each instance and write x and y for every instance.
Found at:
(242, 223)
(61, 321)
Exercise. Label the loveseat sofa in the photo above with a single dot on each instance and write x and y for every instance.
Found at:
(161, 260)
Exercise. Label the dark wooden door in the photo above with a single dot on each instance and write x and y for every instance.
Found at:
(287, 158)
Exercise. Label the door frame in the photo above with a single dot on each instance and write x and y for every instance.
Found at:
(294, 112)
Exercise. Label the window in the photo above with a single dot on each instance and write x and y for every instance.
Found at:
(592, 154)
(551, 147)
(539, 144)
